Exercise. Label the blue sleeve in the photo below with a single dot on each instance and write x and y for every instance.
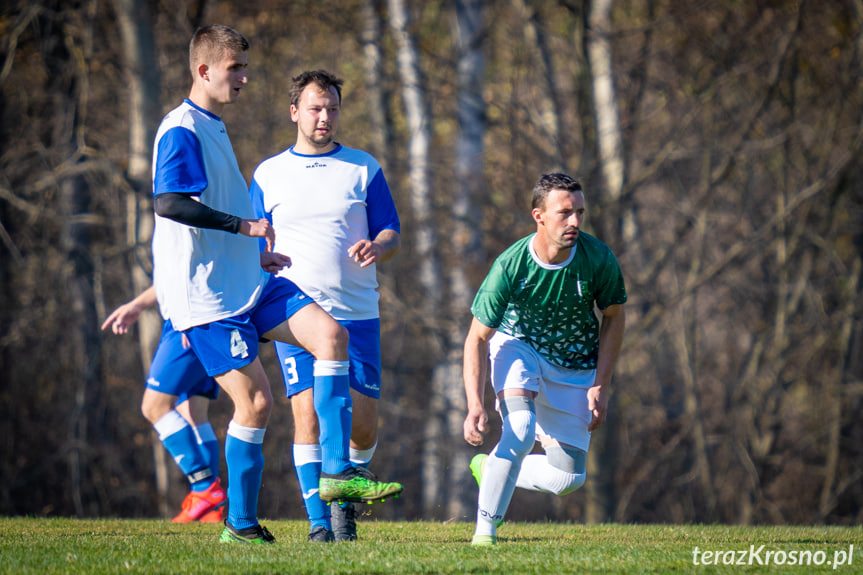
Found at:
(256, 194)
(380, 208)
(179, 164)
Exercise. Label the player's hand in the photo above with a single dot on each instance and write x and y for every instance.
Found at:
(185, 341)
(475, 426)
(274, 262)
(597, 403)
(259, 229)
(122, 318)
(365, 252)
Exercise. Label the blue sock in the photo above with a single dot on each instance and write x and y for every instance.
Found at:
(210, 443)
(180, 440)
(333, 406)
(245, 458)
(307, 463)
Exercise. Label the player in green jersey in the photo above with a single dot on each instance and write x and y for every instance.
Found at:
(551, 357)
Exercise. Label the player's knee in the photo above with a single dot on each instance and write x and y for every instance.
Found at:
(519, 428)
(261, 405)
(148, 413)
(334, 340)
(576, 481)
(567, 458)
(153, 410)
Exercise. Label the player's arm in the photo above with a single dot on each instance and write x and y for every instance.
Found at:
(184, 209)
(475, 374)
(180, 176)
(385, 245)
(122, 318)
(384, 225)
(610, 342)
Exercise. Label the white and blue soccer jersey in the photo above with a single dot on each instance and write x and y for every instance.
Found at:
(202, 275)
(320, 206)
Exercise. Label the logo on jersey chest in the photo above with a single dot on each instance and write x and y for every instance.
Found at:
(315, 164)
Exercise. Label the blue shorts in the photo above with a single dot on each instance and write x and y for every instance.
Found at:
(177, 371)
(364, 350)
(232, 343)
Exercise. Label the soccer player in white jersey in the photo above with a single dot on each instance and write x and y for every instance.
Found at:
(334, 215)
(213, 282)
(176, 402)
(551, 359)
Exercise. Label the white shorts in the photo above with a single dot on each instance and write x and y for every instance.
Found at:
(561, 403)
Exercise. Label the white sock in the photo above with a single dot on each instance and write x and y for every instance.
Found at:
(363, 456)
(537, 475)
(500, 473)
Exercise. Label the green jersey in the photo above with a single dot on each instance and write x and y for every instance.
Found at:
(551, 306)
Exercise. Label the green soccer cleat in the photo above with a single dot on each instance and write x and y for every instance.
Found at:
(257, 535)
(484, 540)
(356, 486)
(477, 465)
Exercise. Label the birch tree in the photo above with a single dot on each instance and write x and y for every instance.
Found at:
(425, 233)
(467, 253)
(135, 22)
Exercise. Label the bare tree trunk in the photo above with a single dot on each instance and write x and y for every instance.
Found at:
(609, 144)
(83, 345)
(467, 255)
(136, 28)
(85, 421)
(683, 339)
(833, 388)
(551, 105)
(376, 99)
(609, 136)
(419, 127)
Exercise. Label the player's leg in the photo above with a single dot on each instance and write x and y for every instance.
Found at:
(310, 327)
(364, 350)
(316, 331)
(504, 462)
(173, 370)
(515, 374)
(307, 463)
(249, 390)
(562, 416)
(195, 408)
(364, 428)
(228, 350)
(178, 437)
(363, 445)
(561, 470)
(298, 376)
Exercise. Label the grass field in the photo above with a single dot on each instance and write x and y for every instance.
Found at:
(45, 546)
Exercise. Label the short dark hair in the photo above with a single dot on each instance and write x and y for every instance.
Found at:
(211, 43)
(323, 79)
(549, 182)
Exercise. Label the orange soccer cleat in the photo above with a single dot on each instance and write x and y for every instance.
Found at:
(217, 515)
(197, 504)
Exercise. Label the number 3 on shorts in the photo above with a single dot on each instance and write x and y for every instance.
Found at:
(290, 370)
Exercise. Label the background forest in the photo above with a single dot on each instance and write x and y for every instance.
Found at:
(719, 143)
